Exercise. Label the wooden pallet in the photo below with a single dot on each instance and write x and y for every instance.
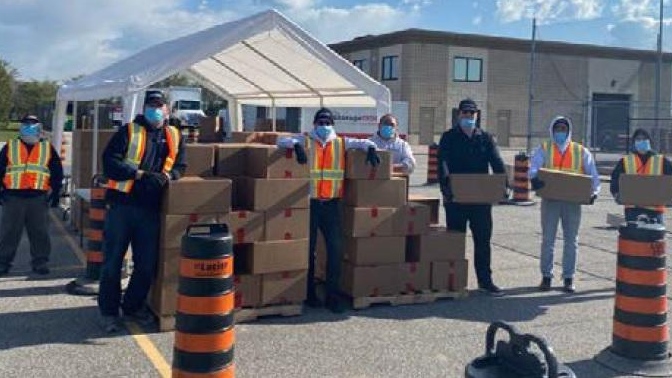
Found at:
(251, 314)
(427, 296)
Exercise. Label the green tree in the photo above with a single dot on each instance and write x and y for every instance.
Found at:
(7, 78)
(32, 97)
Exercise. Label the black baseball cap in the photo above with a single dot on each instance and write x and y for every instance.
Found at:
(155, 97)
(29, 118)
(324, 115)
(468, 105)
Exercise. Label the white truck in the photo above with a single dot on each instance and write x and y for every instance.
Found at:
(184, 103)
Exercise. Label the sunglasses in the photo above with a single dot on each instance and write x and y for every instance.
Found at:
(323, 123)
(470, 112)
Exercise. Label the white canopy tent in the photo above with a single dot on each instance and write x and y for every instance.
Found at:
(263, 60)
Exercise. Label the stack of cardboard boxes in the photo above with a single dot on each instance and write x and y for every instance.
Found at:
(270, 223)
(389, 248)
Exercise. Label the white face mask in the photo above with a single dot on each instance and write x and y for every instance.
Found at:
(30, 139)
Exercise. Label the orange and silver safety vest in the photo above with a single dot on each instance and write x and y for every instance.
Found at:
(327, 168)
(28, 171)
(571, 160)
(137, 138)
(632, 165)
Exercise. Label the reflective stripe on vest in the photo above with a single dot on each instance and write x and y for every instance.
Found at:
(632, 165)
(28, 170)
(327, 168)
(571, 160)
(137, 139)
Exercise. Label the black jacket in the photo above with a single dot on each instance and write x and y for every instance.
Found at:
(156, 151)
(55, 173)
(461, 154)
(620, 168)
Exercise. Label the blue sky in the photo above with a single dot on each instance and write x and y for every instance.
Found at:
(45, 39)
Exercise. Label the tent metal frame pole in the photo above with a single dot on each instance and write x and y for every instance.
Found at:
(252, 83)
(94, 157)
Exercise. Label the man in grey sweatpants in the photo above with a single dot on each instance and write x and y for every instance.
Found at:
(561, 153)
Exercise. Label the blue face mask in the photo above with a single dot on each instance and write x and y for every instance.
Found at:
(154, 115)
(387, 131)
(559, 137)
(323, 131)
(30, 130)
(642, 145)
(467, 123)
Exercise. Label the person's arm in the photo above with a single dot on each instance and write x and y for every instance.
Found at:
(442, 162)
(358, 144)
(3, 164)
(407, 158)
(180, 165)
(615, 174)
(667, 166)
(536, 162)
(495, 158)
(591, 170)
(291, 141)
(115, 166)
(55, 171)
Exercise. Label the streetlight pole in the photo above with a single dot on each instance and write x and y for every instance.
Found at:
(531, 85)
(659, 64)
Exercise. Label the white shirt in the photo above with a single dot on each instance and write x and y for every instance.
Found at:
(400, 149)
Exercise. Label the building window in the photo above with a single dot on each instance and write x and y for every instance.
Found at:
(467, 69)
(360, 63)
(390, 67)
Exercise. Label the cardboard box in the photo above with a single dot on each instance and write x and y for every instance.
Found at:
(374, 251)
(478, 188)
(271, 256)
(370, 281)
(433, 202)
(208, 130)
(643, 190)
(284, 287)
(245, 226)
(196, 195)
(437, 245)
(412, 219)
(357, 168)
(371, 193)
(271, 138)
(287, 224)
(414, 277)
(272, 162)
(248, 290)
(230, 159)
(243, 136)
(200, 160)
(368, 221)
(173, 227)
(271, 194)
(163, 293)
(565, 186)
(450, 275)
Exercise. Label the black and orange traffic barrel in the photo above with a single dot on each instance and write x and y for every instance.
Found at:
(432, 164)
(522, 194)
(640, 334)
(204, 320)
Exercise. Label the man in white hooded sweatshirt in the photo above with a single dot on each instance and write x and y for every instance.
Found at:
(561, 153)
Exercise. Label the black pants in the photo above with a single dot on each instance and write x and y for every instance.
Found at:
(31, 213)
(326, 217)
(480, 223)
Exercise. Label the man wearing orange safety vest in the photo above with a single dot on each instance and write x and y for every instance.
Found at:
(326, 158)
(138, 162)
(31, 176)
(561, 153)
(642, 161)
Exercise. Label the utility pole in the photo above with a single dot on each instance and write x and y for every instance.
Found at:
(659, 65)
(531, 85)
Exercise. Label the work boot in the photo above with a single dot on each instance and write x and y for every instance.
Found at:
(42, 270)
(110, 324)
(312, 300)
(4, 269)
(545, 284)
(568, 286)
(143, 317)
(336, 304)
(490, 288)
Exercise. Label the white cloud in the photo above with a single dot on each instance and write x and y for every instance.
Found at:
(477, 20)
(45, 39)
(548, 11)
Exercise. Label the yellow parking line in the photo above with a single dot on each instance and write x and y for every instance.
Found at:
(150, 350)
(69, 239)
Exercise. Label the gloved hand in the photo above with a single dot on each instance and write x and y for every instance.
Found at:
(372, 157)
(300, 152)
(155, 180)
(447, 192)
(537, 183)
(592, 199)
(54, 198)
(507, 192)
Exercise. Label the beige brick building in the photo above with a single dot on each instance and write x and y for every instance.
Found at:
(605, 91)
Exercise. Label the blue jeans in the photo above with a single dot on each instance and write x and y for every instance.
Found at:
(553, 212)
(138, 226)
(479, 218)
(326, 216)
